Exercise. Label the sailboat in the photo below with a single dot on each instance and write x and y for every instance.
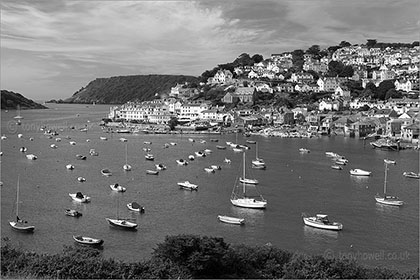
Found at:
(388, 199)
(18, 116)
(258, 162)
(19, 224)
(241, 199)
(121, 223)
(126, 166)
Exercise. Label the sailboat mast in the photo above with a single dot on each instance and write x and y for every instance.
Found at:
(244, 175)
(17, 198)
(386, 173)
(126, 144)
(256, 150)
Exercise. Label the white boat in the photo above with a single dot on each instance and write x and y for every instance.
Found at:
(53, 146)
(123, 131)
(251, 141)
(146, 150)
(388, 199)
(126, 166)
(80, 157)
(304, 150)
(134, 206)
(23, 149)
(216, 167)
(248, 181)
(31, 156)
(208, 151)
(237, 150)
(359, 172)
(58, 139)
(88, 240)
(160, 166)
(106, 172)
(172, 143)
(240, 198)
(220, 147)
(122, 223)
(72, 143)
(390, 161)
(410, 174)
(103, 138)
(337, 167)
(191, 157)
(122, 139)
(79, 197)
(81, 179)
(152, 172)
(231, 220)
(19, 224)
(188, 186)
(73, 213)
(3, 137)
(228, 161)
(340, 162)
(191, 140)
(149, 157)
(209, 169)
(321, 221)
(70, 166)
(200, 154)
(181, 162)
(147, 142)
(117, 187)
(20, 135)
(92, 152)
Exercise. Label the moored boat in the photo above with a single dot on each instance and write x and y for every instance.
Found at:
(390, 161)
(106, 172)
(228, 161)
(220, 147)
(70, 166)
(231, 220)
(23, 149)
(321, 221)
(31, 157)
(410, 174)
(134, 206)
(216, 167)
(304, 150)
(73, 213)
(388, 199)
(122, 223)
(336, 167)
(188, 186)
(248, 181)
(181, 162)
(209, 169)
(80, 157)
(79, 197)
(81, 179)
(200, 154)
(149, 157)
(152, 172)
(359, 172)
(88, 240)
(160, 166)
(92, 152)
(117, 187)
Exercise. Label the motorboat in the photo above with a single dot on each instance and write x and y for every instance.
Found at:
(200, 154)
(248, 181)
(340, 162)
(390, 161)
(127, 167)
(160, 166)
(31, 157)
(73, 213)
(172, 143)
(321, 221)
(122, 223)
(228, 161)
(58, 139)
(72, 143)
(336, 167)
(237, 150)
(220, 147)
(3, 137)
(411, 174)
(23, 149)
(188, 186)
(149, 157)
(231, 220)
(214, 140)
(79, 197)
(182, 162)
(216, 167)
(70, 166)
(331, 154)
(152, 172)
(122, 139)
(53, 146)
(147, 142)
(106, 172)
(191, 140)
(209, 169)
(81, 179)
(87, 240)
(123, 131)
(103, 138)
(251, 141)
(191, 157)
(134, 206)
(80, 157)
(385, 144)
(359, 172)
(92, 152)
(207, 151)
(117, 187)
(304, 150)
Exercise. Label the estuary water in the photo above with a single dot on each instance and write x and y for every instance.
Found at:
(293, 183)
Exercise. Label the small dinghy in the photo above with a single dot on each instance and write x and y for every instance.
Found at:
(31, 157)
(106, 172)
(73, 213)
(134, 206)
(79, 197)
(152, 172)
(70, 167)
(231, 220)
(117, 187)
(81, 179)
(87, 240)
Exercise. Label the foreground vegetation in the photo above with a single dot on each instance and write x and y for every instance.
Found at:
(187, 256)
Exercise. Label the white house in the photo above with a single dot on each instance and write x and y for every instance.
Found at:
(404, 85)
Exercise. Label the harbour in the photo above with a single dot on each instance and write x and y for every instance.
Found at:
(292, 183)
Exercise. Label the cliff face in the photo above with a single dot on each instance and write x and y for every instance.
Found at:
(10, 100)
(118, 90)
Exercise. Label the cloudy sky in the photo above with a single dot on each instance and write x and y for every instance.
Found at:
(50, 49)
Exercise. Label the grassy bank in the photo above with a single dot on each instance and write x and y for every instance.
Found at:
(188, 256)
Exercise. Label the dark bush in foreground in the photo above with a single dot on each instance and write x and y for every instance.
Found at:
(188, 256)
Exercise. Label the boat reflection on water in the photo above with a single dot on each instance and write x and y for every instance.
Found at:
(383, 208)
(315, 234)
(361, 181)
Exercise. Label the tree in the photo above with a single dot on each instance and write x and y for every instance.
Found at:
(347, 71)
(313, 50)
(392, 93)
(371, 43)
(297, 58)
(257, 58)
(383, 88)
(335, 68)
(344, 44)
(173, 122)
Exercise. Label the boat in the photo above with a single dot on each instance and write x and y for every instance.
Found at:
(72, 143)
(331, 154)
(3, 137)
(182, 162)
(390, 161)
(53, 146)
(251, 141)
(84, 129)
(23, 149)
(228, 161)
(248, 181)
(147, 142)
(79, 197)
(207, 151)
(231, 220)
(209, 169)
(121, 222)
(117, 187)
(149, 157)
(152, 172)
(172, 143)
(237, 150)
(134, 206)
(73, 213)
(106, 172)
(20, 135)
(123, 131)
(337, 167)
(385, 144)
(58, 139)
(31, 157)
(19, 224)
(200, 154)
(81, 179)
(388, 199)
(321, 221)
(216, 167)
(257, 162)
(70, 167)
(411, 174)
(126, 166)
(87, 240)
(92, 152)
(80, 157)
(191, 140)
(220, 147)
(214, 140)
(304, 150)
(160, 166)
(146, 150)
(340, 162)
(122, 139)
(188, 186)
(359, 172)
(103, 138)
(203, 141)
(240, 198)
(191, 157)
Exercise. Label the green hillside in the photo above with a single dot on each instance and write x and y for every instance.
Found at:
(121, 89)
(10, 100)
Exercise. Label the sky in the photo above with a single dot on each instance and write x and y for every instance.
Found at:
(50, 49)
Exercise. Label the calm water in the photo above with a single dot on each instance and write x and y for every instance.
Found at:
(293, 183)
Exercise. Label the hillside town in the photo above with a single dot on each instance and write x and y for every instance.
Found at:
(341, 108)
